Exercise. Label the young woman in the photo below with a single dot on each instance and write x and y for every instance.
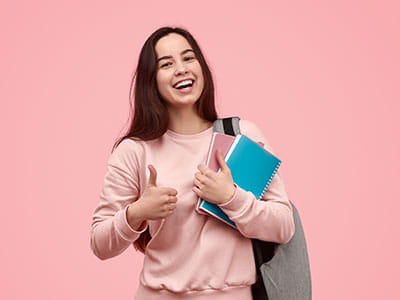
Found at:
(156, 174)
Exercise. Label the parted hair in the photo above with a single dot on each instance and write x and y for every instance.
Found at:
(150, 115)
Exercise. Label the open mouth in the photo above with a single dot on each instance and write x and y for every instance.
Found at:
(184, 84)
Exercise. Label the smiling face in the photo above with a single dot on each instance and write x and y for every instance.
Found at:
(179, 77)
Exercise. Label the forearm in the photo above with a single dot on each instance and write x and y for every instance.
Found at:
(111, 236)
(268, 219)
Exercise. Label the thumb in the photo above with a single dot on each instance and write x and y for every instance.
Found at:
(153, 176)
(221, 161)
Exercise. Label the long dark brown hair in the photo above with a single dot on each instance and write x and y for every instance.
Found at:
(150, 115)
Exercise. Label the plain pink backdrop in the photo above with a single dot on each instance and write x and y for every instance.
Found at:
(320, 78)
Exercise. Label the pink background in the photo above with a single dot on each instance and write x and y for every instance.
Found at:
(321, 79)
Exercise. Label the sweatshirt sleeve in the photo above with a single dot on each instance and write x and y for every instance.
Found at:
(270, 219)
(111, 233)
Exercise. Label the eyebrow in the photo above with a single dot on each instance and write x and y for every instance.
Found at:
(169, 56)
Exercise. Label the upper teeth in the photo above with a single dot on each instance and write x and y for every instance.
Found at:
(184, 83)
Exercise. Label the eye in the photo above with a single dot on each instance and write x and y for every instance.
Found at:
(189, 58)
(165, 65)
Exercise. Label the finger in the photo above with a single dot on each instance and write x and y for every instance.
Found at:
(153, 176)
(206, 177)
(205, 172)
(197, 183)
(197, 191)
(201, 179)
(221, 161)
(172, 199)
(169, 191)
(199, 176)
(170, 211)
(170, 208)
(202, 168)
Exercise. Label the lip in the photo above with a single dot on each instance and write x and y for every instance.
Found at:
(181, 81)
(184, 91)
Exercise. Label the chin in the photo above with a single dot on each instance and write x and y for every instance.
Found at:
(182, 102)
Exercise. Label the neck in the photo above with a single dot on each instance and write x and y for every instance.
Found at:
(187, 121)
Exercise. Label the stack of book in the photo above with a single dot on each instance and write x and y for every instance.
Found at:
(252, 168)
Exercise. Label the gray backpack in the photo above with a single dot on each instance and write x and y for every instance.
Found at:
(283, 270)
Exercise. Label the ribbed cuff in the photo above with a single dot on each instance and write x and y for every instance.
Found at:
(123, 227)
(238, 203)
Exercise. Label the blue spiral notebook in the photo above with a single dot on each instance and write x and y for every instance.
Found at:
(252, 168)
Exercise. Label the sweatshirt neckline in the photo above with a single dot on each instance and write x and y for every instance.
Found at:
(189, 136)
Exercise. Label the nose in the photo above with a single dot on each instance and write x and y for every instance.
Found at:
(180, 69)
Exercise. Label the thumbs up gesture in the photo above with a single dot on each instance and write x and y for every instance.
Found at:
(155, 202)
(214, 187)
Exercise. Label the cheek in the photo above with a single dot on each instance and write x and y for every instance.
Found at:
(161, 83)
(200, 80)
(200, 76)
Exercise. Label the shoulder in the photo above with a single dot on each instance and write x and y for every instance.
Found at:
(253, 131)
(127, 145)
(247, 126)
(126, 152)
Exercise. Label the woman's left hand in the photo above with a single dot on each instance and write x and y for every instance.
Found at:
(214, 187)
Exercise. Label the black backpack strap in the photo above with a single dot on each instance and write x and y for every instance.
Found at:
(228, 125)
(288, 275)
(263, 251)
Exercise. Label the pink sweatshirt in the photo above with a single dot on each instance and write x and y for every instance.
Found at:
(190, 255)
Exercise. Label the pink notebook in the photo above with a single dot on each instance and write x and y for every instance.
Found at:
(218, 141)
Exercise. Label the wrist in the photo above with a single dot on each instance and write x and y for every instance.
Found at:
(133, 216)
(231, 194)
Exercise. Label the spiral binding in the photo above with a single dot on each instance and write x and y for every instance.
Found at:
(270, 179)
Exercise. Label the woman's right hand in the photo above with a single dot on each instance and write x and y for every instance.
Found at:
(155, 202)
